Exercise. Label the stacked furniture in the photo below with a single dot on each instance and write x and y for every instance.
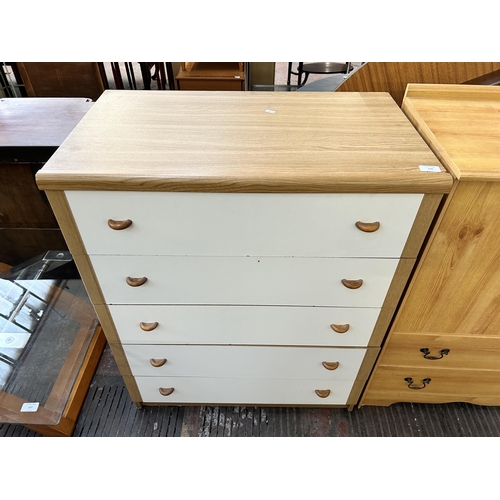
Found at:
(245, 248)
(444, 345)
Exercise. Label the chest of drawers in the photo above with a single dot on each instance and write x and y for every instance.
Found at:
(444, 345)
(244, 249)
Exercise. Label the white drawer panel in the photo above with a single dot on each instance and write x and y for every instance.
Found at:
(241, 391)
(244, 361)
(241, 224)
(244, 280)
(261, 325)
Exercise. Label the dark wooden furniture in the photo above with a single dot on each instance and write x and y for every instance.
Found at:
(31, 129)
(63, 79)
(211, 76)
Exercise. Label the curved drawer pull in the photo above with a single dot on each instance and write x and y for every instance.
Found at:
(340, 328)
(118, 225)
(322, 393)
(157, 362)
(425, 351)
(166, 391)
(148, 327)
(331, 365)
(409, 380)
(352, 284)
(135, 281)
(368, 227)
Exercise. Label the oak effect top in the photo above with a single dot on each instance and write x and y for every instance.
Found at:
(244, 142)
(461, 123)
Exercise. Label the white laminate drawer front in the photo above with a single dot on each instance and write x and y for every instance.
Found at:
(244, 280)
(243, 391)
(244, 325)
(241, 224)
(244, 361)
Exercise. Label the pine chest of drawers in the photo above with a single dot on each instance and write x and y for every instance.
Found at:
(244, 248)
(444, 344)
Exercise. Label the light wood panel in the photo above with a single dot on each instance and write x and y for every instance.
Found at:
(460, 124)
(244, 142)
(455, 289)
(393, 77)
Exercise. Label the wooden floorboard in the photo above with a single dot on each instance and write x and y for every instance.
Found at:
(109, 412)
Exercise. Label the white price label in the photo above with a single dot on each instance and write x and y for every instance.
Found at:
(30, 407)
(429, 168)
(270, 111)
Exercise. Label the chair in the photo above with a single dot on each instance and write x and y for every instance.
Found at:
(324, 68)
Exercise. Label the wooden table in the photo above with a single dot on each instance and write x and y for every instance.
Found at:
(31, 130)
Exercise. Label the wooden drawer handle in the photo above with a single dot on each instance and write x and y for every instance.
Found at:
(368, 227)
(426, 352)
(118, 225)
(340, 328)
(148, 327)
(409, 381)
(352, 284)
(331, 365)
(322, 393)
(135, 281)
(166, 391)
(157, 362)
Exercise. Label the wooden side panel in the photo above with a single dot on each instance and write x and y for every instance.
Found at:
(456, 290)
(393, 77)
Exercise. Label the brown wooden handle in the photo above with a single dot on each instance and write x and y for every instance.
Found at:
(368, 227)
(166, 391)
(135, 281)
(118, 225)
(148, 327)
(330, 365)
(157, 362)
(322, 393)
(352, 284)
(340, 328)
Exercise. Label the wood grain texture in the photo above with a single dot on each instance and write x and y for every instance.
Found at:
(446, 386)
(460, 124)
(62, 79)
(39, 122)
(455, 289)
(465, 351)
(393, 77)
(226, 141)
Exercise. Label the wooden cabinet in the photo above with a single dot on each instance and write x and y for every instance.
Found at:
(31, 130)
(244, 248)
(210, 76)
(447, 331)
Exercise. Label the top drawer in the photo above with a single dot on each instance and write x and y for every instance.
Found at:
(244, 224)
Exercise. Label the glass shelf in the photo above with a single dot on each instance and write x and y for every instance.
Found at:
(48, 334)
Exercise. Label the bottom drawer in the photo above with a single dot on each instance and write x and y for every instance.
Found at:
(432, 385)
(242, 391)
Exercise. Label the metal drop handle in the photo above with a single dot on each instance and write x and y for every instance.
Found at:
(425, 381)
(426, 352)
